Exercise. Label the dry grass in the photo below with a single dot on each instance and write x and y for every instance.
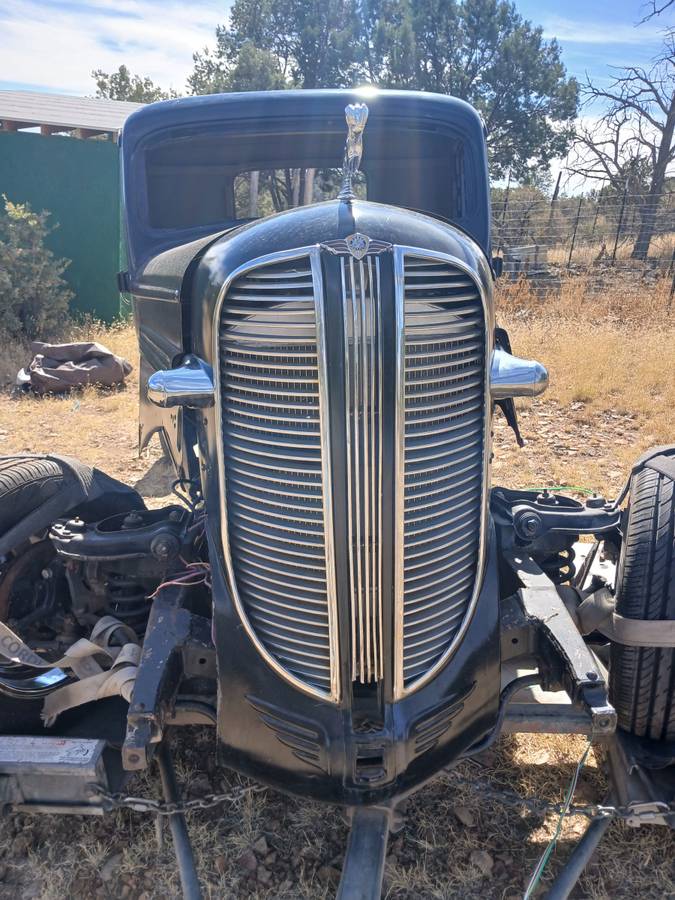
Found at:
(585, 254)
(612, 395)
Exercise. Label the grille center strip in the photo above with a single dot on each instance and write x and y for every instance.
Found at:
(363, 392)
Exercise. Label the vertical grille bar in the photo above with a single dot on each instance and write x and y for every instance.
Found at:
(363, 372)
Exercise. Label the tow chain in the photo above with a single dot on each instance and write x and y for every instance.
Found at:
(635, 813)
(162, 808)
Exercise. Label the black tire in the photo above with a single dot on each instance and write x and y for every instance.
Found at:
(642, 679)
(25, 484)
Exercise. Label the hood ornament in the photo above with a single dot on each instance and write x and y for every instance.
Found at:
(356, 115)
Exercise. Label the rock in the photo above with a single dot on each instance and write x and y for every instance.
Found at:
(264, 875)
(328, 874)
(109, 868)
(200, 787)
(260, 846)
(247, 861)
(271, 858)
(285, 886)
(482, 860)
(221, 865)
(21, 844)
(465, 816)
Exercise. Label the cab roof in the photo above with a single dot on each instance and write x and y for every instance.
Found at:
(181, 158)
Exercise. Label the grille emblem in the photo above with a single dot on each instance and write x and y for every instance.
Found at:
(357, 245)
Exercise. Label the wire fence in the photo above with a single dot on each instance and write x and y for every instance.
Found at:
(596, 237)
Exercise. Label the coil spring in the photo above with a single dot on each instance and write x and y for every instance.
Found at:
(127, 601)
(560, 566)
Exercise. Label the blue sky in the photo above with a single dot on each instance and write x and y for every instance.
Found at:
(53, 45)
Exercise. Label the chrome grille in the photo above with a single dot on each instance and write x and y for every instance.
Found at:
(440, 464)
(363, 391)
(277, 487)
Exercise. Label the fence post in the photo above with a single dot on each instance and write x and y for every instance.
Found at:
(506, 201)
(620, 223)
(549, 228)
(574, 233)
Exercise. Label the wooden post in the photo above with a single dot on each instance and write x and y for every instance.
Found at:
(574, 233)
(254, 178)
(309, 187)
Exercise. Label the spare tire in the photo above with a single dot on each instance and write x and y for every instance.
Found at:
(642, 679)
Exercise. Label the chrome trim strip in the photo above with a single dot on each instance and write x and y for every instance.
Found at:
(313, 254)
(400, 253)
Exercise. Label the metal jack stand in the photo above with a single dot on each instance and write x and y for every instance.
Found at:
(582, 854)
(363, 868)
(643, 795)
(187, 869)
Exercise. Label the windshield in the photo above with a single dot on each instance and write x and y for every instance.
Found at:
(213, 179)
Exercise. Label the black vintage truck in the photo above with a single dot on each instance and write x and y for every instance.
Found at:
(338, 590)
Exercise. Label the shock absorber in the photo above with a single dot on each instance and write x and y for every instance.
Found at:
(126, 600)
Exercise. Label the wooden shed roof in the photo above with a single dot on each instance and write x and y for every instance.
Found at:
(52, 113)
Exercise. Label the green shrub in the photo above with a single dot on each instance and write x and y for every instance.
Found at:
(34, 298)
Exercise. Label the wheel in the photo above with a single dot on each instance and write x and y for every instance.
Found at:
(642, 679)
(25, 484)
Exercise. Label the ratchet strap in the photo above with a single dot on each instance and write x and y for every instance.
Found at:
(94, 681)
(597, 613)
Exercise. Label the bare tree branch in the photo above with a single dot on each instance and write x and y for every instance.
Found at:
(655, 8)
(634, 138)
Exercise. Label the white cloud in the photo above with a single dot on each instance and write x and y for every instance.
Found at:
(55, 46)
(583, 31)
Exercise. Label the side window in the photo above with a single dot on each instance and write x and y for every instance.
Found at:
(261, 193)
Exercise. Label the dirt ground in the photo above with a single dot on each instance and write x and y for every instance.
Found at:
(612, 396)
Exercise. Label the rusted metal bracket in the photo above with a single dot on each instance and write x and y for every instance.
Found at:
(177, 645)
(544, 608)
